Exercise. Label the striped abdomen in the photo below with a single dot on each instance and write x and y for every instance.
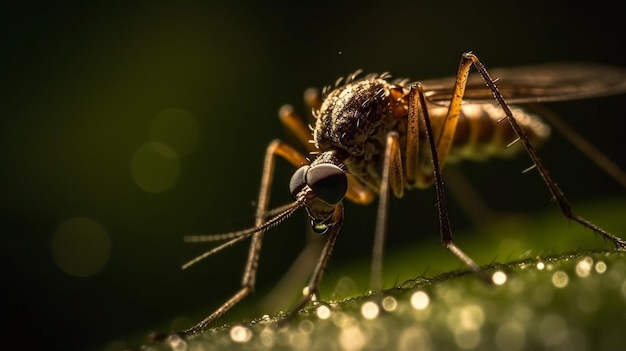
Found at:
(479, 136)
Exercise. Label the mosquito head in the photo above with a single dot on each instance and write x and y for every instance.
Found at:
(321, 187)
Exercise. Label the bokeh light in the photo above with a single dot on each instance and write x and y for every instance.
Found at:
(420, 300)
(81, 247)
(155, 167)
(370, 310)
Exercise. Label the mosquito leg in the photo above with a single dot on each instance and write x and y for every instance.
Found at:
(582, 144)
(295, 124)
(445, 131)
(412, 140)
(469, 58)
(297, 275)
(357, 193)
(313, 98)
(442, 208)
(318, 272)
(248, 281)
(391, 178)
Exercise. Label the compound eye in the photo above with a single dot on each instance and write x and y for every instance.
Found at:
(328, 182)
(298, 180)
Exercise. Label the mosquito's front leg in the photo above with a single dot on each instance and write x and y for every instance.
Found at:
(466, 61)
(318, 272)
(358, 193)
(275, 148)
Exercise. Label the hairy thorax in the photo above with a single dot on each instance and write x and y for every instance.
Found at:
(355, 118)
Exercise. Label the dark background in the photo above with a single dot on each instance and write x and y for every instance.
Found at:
(82, 84)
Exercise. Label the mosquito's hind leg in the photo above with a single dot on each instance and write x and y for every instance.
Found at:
(588, 149)
(469, 59)
(417, 104)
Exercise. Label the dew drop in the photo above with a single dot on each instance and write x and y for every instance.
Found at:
(389, 304)
(240, 334)
(177, 343)
(583, 268)
(370, 310)
(560, 279)
(420, 300)
(323, 312)
(499, 278)
(306, 326)
(600, 267)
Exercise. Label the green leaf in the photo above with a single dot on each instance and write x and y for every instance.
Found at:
(571, 302)
(570, 297)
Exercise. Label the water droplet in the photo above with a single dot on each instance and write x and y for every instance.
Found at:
(370, 310)
(600, 267)
(583, 268)
(177, 343)
(323, 312)
(560, 279)
(420, 300)
(241, 334)
(389, 304)
(499, 278)
(306, 326)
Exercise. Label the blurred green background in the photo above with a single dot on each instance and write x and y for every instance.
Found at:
(128, 125)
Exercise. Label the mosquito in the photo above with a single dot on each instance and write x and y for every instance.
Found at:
(374, 135)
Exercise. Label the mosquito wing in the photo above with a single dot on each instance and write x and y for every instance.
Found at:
(536, 83)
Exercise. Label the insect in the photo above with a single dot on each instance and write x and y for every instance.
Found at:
(376, 136)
